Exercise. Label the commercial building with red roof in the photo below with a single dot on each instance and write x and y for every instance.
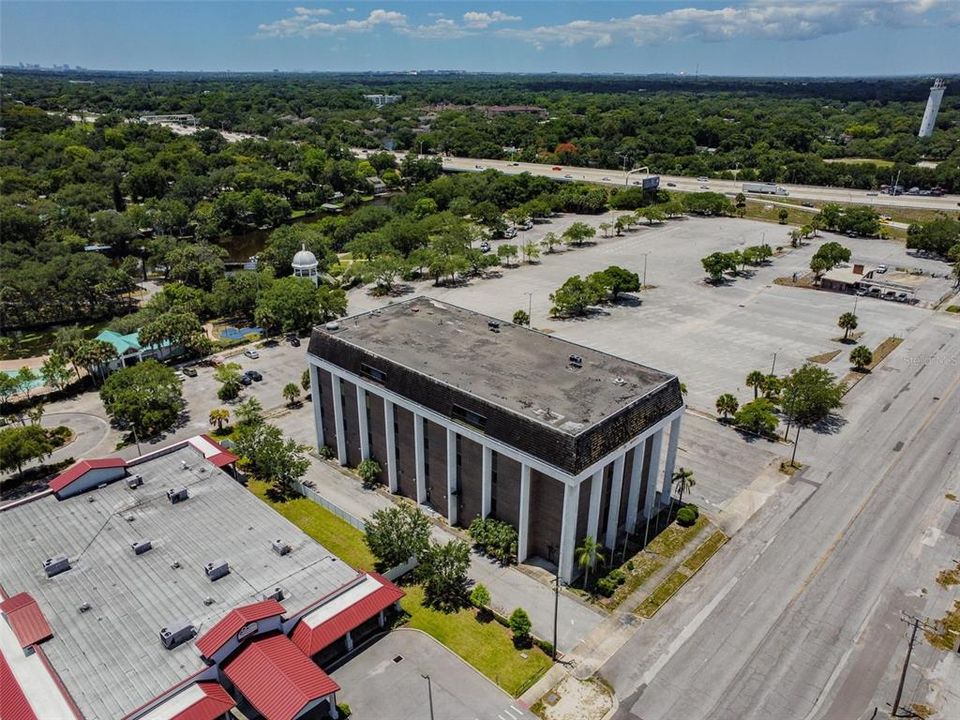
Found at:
(156, 590)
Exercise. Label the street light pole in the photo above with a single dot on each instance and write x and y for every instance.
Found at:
(429, 693)
(529, 307)
(556, 610)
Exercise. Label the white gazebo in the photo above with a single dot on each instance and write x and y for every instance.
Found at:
(305, 265)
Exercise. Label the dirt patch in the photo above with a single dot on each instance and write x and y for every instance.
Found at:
(802, 281)
(824, 358)
(883, 349)
(574, 699)
(946, 578)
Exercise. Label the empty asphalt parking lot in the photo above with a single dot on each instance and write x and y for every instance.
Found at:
(385, 681)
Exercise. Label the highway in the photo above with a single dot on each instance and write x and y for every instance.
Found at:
(797, 618)
(686, 184)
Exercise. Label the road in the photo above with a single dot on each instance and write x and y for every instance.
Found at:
(687, 184)
(796, 618)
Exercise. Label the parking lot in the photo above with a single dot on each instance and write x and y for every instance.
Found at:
(710, 336)
(385, 682)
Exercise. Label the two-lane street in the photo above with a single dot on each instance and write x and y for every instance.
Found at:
(773, 627)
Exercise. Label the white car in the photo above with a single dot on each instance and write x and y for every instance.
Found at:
(703, 179)
(881, 269)
(252, 354)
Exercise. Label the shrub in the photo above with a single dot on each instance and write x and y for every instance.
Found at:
(520, 627)
(368, 470)
(325, 451)
(480, 596)
(545, 645)
(495, 538)
(686, 517)
(344, 710)
(228, 391)
(606, 586)
(617, 576)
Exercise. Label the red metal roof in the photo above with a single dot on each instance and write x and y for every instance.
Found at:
(216, 702)
(222, 459)
(26, 619)
(13, 703)
(313, 640)
(231, 623)
(276, 678)
(77, 471)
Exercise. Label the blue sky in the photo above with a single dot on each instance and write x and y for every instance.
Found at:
(771, 37)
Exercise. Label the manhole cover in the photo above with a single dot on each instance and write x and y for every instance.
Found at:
(398, 658)
(551, 699)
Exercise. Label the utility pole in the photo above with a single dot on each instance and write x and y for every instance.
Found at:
(429, 693)
(774, 365)
(556, 609)
(529, 307)
(917, 623)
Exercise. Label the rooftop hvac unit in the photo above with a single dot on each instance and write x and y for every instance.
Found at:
(176, 495)
(56, 565)
(576, 361)
(275, 594)
(280, 547)
(141, 546)
(134, 481)
(216, 569)
(177, 633)
(333, 325)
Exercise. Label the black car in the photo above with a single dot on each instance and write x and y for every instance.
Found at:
(245, 380)
(293, 340)
(253, 375)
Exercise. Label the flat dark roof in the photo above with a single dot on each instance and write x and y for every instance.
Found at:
(523, 371)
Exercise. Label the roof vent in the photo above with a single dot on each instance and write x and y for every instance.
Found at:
(184, 466)
(493, 326)
(276, 594)
(208, 600)
(84, 607)
(576, 361)
(177, 633)
(280, 547)
(134, 481)
(176, 495)
(216, 569)
(56, 565)
(332, 325)
(619, 381)
(141, 546)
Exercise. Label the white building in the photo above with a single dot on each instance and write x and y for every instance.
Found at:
(933, 107)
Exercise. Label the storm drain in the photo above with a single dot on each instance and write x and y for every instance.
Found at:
(398, 658)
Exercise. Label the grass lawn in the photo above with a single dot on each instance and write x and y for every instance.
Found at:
(674, 538)
(703, 553)
(339, 537)
(663, 592)
(487, 646)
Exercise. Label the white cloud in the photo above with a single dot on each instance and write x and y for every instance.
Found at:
(305, 24)
(311, 12)
(786, 20)
(482, 20)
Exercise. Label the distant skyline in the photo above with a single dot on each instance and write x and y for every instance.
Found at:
(774, 38)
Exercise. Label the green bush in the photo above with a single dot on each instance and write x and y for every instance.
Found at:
(545, 645)
(606, 586)
(228, 391)
(325, 451)
(495, 538)
(480, 596)
(368, 470)
(344, 710)
(686, 517)
(520, 627)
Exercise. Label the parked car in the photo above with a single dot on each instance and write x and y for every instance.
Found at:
(861, 292)
(901, 297)
(881, 269)
(671, 184)
(252, 354)
(484, 246)
(245, 380)
(807, 204)
(254, 375)
(606, 179)
(189, 371)
(293, 340)
(514, 164)
(556, 167)
(872, 194)
(510, 233)
(703, 179)
(568, 176)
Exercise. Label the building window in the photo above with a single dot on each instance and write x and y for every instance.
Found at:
(373, 373)
(493, 483)
(426, 455)
(468, 417)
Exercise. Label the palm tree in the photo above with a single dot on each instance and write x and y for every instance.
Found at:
(755, 380)
(727, 405)
(589, 554)
(683, 480)
(219, 416)
(847, 321)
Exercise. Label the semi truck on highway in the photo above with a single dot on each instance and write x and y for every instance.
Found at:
(764, 188)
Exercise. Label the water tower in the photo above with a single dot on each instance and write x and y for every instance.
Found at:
(933, 107)
(305, 265)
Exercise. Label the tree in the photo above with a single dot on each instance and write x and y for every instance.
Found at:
(55, 371)
(819, 265)
(8, 388)
(861, 357)
(331, 303)
(290, 304)
(828, 256)
(369, 470)
(574, 297)
(219, 416)
(396, 534)
(757, 416)
(20, 445)
(146, 397)
(270, 456)
(716, 264)
(683, 480)
(177, 329)
(619, 280)
(741, 203)
(783, 215)
(520, 627)
(809, 395)
(198, 265)
(550, 241)
(291, 393)
(249, 412)
(531, 251)
(94, 355)
(228, 375)
(589, 554)
(520, 317)
(848, 322)
(727, 405)
(442, 570)
(507, 253)
(755, 379)
(480, 597)
(25, 379)
(578, 232)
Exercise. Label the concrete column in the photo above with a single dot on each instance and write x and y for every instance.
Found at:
(317, 404)
(593, 517)
(568, 531)
(391, 459)
(651, 499)
(613, 513)
(451, 477)
(338, 420)
(418, 458)
(363, 423)
(633, 497)
(523, 539)
(671, 460)
(381, 618)
(332, 703)
(486, 490)
(348, 638)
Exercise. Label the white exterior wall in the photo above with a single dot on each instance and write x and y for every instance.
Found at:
(91, 479)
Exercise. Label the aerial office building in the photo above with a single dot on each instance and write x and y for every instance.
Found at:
(933, 107)
(481, 418)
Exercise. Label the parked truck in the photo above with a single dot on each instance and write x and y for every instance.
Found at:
(764, 188)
